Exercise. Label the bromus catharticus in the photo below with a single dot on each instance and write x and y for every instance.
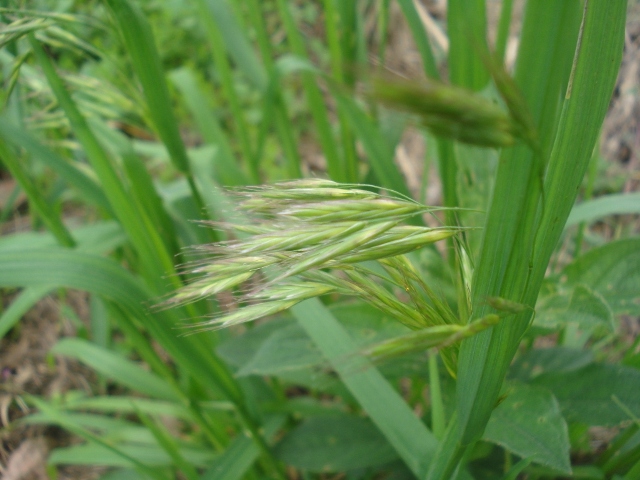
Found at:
(309, 238)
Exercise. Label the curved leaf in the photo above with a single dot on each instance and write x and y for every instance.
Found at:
(73, 269)
(591, 210)
(116, 367)
(529, 423)
(335, 444)
(612, 271)
(21, 305)
(597, 395)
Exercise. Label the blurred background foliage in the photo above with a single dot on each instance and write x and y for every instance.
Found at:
(120, 121)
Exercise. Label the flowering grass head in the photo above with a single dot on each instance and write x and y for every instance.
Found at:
(309, 238)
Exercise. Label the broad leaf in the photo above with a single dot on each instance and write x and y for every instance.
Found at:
(282, 348)
(613, 271)
(238, 351)
(596, 395)
(289, 348)
(529, 423)
(335, 444)
(549, 360)
(584, 308)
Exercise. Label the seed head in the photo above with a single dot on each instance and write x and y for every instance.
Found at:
(308, 239)
(455, 112)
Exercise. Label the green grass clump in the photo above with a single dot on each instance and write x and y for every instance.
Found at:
(113, 113)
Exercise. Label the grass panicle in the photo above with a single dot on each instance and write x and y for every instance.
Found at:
(309, 238)
(270, 301)
(435, 337)
(304, 234)
(451, 111)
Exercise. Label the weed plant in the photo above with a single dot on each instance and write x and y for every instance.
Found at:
(370, 313)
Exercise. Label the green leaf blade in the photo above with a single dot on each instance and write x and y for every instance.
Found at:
(115, 367)
(529, 423)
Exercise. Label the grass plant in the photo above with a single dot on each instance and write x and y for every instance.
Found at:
(369, 310)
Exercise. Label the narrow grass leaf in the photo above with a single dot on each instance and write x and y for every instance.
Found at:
(169, 445)
(236, 460)
(226, 169)
(105, 277)
(313, 94)
(143, 193)
(511, 245)
(341, 27)
(633, 471)
(286, 349)
(504, 25)
(37, 201)
(379, 152)
(237, 43)
(104, 454)
(66, 421)
(140, 44)
(127, 405)
(615, 204)
(138, 39)
(83, 271)
(586, 102)
(116, 367)
(420, 37)
(156, 260)
(467, 29)
(212, 28)
(449, 453)
(403, 430)
(99, 237)
(88, 188)
(21, 305)
(273, 97)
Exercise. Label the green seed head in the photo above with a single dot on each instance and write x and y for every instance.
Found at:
(308, 239)
(457, 113)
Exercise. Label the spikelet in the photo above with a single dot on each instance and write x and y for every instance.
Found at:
(309, 238)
